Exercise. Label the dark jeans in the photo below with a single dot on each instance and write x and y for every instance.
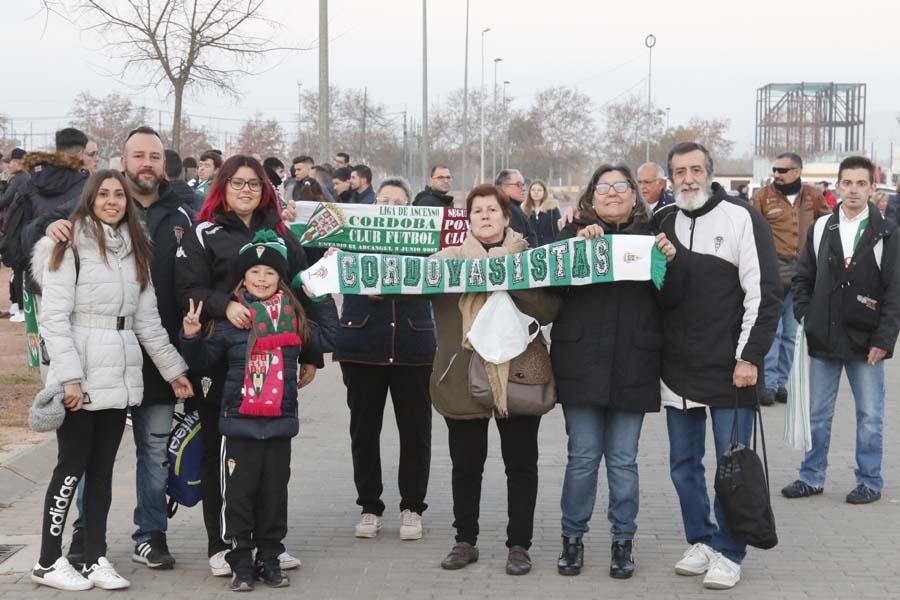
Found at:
(367, 389)
(88, 442)
(255, 487)
(208, 409)
(468, 451)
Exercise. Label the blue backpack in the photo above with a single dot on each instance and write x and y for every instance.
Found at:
(185, 457)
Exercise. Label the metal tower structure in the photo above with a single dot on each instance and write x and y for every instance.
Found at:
(810, 118)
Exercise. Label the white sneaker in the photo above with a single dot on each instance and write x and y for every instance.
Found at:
(19, 317)
(104, 576)
(13, 308)
(410, 525)
(288, 562)
(61, 575)
(369, 525)
(218, 564)
(696, 561)
(723, 573)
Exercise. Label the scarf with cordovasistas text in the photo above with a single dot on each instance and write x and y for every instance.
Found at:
(571, 262)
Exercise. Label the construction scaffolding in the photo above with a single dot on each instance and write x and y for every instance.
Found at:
(810, 118)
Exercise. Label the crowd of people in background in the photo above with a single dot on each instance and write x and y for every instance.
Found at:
(135, 267)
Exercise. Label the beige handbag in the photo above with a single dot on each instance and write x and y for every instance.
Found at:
(531, 390)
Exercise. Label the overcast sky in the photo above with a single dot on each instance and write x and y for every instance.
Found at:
(710, 56)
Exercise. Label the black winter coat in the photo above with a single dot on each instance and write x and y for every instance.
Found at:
(379, 330)
(607, 341)
(430, 197)
(518, 222)
(230, 343)
(544, 221)
(184, 192)
(826, 292)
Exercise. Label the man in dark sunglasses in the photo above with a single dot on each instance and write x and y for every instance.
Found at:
(790, 207)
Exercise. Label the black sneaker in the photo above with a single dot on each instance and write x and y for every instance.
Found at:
(154, 552)
(571, 559)
(781, 395)
(862, 494)
(767, 398)
(76, 549)
(243, 580)
(621, 565)
(800, 489)
(270, 573)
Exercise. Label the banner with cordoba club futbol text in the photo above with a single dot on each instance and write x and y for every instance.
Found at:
(384, 229)
(571, 262)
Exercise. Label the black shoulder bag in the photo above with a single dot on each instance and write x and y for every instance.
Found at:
(742, 484)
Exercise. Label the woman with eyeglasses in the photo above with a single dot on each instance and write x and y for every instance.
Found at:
(241, 202)
(606, 361)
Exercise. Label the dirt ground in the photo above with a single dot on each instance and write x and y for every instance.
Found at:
(18, 383)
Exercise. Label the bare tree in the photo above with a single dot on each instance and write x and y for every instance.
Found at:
(184, 44)
(194, 140)
(265, 138)
(107, 119)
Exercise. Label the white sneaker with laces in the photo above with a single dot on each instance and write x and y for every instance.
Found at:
(60, 575)
(19, 317)
(288, 562)
(410, 525)
(723, 573)
(218, 565)
(104, 576)
(369, 525)
(13, 309)
(696, 561)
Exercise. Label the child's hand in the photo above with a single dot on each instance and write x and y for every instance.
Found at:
(191, 322)
(307, 374)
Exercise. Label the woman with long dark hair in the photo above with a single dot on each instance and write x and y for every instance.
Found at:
(542, 211)
(98, 309)
(606, 362)
(241, 202)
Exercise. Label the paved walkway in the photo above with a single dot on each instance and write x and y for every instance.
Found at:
(828, 549)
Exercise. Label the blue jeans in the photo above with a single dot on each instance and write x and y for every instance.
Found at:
(867, 384)
(597, 432)
(781, 355)
(687, 445)
(151, 426)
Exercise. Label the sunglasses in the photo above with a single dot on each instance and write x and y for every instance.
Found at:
(782, 170)
(620, 186)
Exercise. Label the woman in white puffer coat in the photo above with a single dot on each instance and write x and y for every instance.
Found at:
(98, 308)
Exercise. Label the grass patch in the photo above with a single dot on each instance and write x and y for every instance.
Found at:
(18, 379)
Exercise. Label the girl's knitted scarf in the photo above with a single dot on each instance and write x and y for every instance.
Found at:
(274, 327)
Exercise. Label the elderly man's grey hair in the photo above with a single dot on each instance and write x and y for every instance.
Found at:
(397, 181)
(660, 170)
(505, 175)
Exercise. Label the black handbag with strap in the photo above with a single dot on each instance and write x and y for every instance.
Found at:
(742, 485)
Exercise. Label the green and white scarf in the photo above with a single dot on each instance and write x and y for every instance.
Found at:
(571, 262)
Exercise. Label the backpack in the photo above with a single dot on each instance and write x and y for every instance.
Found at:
(185, 458)
(17, 216)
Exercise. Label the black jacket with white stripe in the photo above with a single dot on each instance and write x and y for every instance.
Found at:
(854, 307)
(721, 300)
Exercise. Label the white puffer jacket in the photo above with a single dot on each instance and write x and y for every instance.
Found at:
(92, 321)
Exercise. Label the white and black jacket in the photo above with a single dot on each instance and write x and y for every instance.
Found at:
(850, 308)
(721, 300)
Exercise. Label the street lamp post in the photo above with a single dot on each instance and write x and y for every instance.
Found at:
(649, 41)
(481, 167)
(668, 110)
(505, 153)
(494, 124)
(425, 141)
(465, 144)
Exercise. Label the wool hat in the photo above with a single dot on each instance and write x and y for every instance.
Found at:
(47, 411)
(17, 154)
(266, 248)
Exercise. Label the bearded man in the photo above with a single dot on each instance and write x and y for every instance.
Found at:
(721, 303)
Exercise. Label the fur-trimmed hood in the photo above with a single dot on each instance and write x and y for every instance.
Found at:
(55, 159)
(53, 174)
(548, 205)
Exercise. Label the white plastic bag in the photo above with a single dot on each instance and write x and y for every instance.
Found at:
(500, 331)
(797, 432)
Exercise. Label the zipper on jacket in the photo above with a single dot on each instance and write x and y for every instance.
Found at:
(684, 320)
(393, 331)
(121, 335)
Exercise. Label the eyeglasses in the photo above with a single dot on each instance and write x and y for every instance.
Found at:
(237, 184)
(620, 186)
(783, 170)
(520, 185)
